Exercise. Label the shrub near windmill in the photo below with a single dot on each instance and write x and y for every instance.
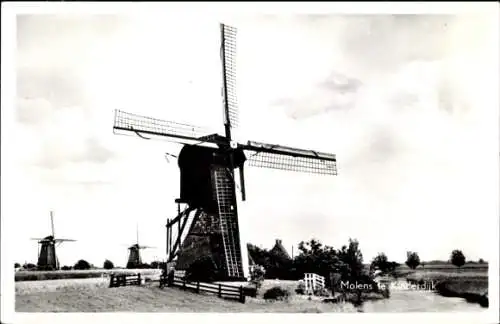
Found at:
(47, 257)
(208, 224)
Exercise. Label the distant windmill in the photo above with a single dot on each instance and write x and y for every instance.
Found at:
(134, 255)
(47, 258)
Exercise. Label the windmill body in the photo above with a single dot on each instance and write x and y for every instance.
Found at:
(207, 224)
(134, 255)
(47, 257)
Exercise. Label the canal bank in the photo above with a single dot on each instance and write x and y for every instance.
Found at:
(418, 300)
(473, 290)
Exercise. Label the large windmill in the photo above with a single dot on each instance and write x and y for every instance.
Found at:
(47, 258)
(134, 254)
(208, 224)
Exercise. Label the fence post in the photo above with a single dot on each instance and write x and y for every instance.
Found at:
(111, 281)
(220, 290)
(198, 287)
(139, 279)
(242, 295)
(184, 283)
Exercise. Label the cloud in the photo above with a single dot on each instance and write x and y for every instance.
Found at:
(52, 138)
(57, 154)
(336, 92)
(376, 51)
(56, 115)
(58, 85)
(33, 111)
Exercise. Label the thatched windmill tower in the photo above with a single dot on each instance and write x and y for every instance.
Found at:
(280, 250)
(134, 254)
(47, 258)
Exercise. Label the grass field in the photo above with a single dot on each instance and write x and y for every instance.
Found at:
(92, 295)
(78, 274)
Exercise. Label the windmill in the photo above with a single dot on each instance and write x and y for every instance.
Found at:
(208, 223)
(47, 258)
(134, 255)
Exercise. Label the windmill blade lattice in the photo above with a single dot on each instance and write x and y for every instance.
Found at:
(129, 122)
(291, 159)
(64, 240)
(228, 56)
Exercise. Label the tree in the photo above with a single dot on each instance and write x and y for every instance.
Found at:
(81, 265)
(380, 262)
(108, 264)
(481, 261)
(412, 260)
(383, 264)
(457, 258)
(351, 265)
(315, 258)
(16, 265)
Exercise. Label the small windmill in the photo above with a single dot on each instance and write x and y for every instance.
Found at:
(208, 225)
(47, 258)
(134, 254)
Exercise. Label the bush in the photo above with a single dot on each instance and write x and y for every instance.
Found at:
(108, 265)
(301, 288)
(203, 269)
(276, 293)
(481, 261)
(29, 266)
(16, 265)
(321, 292)
(257, 276)
(81, 265)
(65, 268)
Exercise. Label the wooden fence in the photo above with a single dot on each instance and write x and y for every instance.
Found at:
(221, 290)
(117, 280)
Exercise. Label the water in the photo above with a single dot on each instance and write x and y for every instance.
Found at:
(420, 301)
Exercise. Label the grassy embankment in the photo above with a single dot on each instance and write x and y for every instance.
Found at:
(469, 282)
(92, 295)
(77, 274)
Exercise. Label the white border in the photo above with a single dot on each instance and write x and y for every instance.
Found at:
(224, 11)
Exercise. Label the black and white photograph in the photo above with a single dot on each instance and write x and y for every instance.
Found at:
(187, 161)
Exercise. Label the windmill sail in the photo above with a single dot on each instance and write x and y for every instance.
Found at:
(289, 158)
(229, 95)
(179, 132)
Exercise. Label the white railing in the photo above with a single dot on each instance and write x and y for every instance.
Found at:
(313, 282)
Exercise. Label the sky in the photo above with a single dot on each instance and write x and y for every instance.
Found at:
(404, 102)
